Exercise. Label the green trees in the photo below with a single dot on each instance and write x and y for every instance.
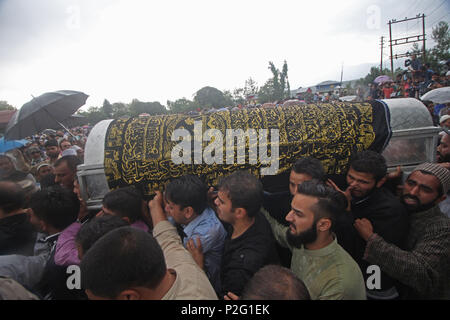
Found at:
(137, 107)
(107, 108)
(119, 109)
(209, 97)
(181, 105)
(6, 106)
(276, 88)
(441, 51)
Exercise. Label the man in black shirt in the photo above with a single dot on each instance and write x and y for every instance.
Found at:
(17, 235)
(250, 244)
(370, 200)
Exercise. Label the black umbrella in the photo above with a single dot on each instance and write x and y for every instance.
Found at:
(44, 112)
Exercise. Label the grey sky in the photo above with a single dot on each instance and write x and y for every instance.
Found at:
(165, 50)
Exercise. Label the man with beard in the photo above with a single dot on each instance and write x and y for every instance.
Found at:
(443, 150)
(423, 267)
(368, 199)
(52, 151)
(327, 270)
(279, 204)
(443, 158)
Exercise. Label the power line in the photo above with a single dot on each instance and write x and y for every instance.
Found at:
(437, 7)
(438, 20)
(412, 8)
(408, 27)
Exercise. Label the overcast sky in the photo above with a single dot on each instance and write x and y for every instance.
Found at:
(165, 50)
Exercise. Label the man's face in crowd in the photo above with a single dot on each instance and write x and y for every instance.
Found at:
(175, 211)
(420, 192)
(302, 225)
(295, 179)
(52, 151)
(80, 153)
(6, 166)
(36, 154)
(446, 123)
(443, 149)
(43, 171)
(64, 176)
(360, 183)
(65, 145)
(224, 207)
(36, 222)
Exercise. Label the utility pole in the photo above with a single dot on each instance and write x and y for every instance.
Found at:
(390, 45)
(406, 40)
(423, 37)
(381, 61)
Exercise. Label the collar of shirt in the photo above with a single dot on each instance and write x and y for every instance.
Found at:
(332, 247)
(50, 238)
(206, 215)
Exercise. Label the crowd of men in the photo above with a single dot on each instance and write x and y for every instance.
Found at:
(353, 239)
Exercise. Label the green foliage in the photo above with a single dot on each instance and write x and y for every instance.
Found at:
(276, 88)
(137, 107)
(441, 51)
(267, 92)
(6, 106)
(375, 72)
(181, 105)
(93, 115)
(119, 109)
(209, 97)
(239, 95)
(107, 108)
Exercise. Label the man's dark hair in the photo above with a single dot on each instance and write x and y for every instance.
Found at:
(187, 191)
(274, 282)
(123, 258)
(56, 206)
(48, 181)
(94, 229)
(71, 161)
(51, 143)
(125, 202)
(330, 204)
(369, 162)
(12, 196)
(310, 166)
(244, 190)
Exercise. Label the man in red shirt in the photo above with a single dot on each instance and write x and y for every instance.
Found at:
(387, 90)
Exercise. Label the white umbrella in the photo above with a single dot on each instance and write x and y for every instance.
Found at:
(439, 95)
(348, 98)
